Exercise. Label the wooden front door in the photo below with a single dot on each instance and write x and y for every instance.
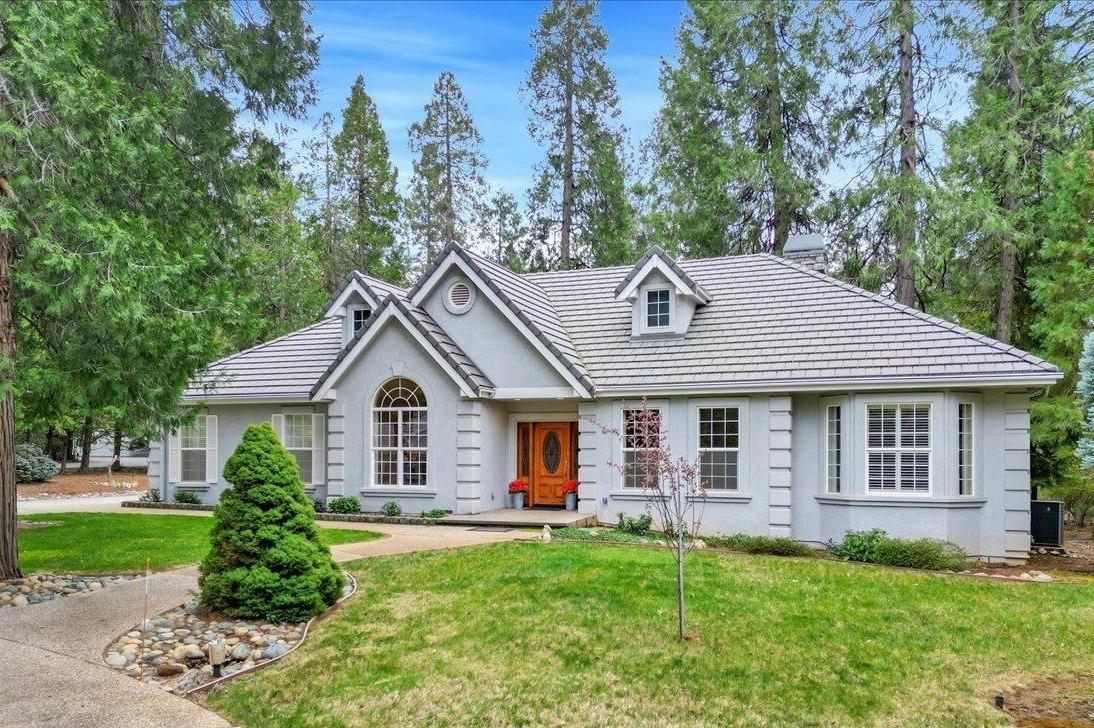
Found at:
(552, 461)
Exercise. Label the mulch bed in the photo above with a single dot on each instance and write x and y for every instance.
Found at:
(94, 482)
(1053, 704)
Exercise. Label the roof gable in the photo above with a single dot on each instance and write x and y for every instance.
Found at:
(524, 304)
(372, 290)
(657, 259)
(471, 381)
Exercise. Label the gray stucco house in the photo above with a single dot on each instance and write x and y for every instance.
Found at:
(815, 407)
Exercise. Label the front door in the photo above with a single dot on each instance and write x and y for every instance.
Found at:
(552, 461)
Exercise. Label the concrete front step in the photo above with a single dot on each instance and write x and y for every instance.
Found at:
(555, 518)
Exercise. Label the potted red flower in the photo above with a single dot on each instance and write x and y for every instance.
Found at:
(517, 489)
(569, 489)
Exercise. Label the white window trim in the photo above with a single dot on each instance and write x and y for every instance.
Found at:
(845, 436)
(318, 434)
(643, 322)
(398, 449)
(623, 449)
(210, 451)
(740, 444)
(744, 443)
(932, 435)
(353, 311)
(974, 464)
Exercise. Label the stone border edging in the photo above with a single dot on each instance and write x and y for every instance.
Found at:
(330, 517)
(307, 629)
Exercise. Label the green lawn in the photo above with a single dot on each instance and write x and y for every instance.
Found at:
(100, 543)
(579, 634)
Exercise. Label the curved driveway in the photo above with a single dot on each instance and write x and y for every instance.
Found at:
(51, 670)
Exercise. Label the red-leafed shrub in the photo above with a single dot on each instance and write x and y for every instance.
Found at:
(518, 486)
(570, 486)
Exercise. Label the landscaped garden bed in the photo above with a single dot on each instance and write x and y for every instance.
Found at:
(333, 517)
(38, 588)
(577, 635)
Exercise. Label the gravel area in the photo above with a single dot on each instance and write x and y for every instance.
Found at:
(38, 588)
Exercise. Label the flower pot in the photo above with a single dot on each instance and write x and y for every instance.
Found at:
(518, 500)
(571, 501)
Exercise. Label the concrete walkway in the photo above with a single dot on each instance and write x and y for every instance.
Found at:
(51, 671)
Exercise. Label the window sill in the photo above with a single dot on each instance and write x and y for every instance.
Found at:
(639, 495)
(907, 501)
(399, 492)
(192, 486)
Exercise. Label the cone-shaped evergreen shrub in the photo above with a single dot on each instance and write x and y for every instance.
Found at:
(267, 561)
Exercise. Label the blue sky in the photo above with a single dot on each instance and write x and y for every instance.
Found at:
(401, 47)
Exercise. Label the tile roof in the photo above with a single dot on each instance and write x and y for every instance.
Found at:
(657, 252)
(768, 322)
(771, 321)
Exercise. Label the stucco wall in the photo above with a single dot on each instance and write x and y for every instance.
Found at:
(232, 421)
(394, 353)
(487, 336)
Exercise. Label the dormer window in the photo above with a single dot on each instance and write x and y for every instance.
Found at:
(658, 308)
(360, 316)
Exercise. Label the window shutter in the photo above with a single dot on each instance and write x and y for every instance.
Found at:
(212, 464)
(278, 422)
(319, 450)
(174, 459)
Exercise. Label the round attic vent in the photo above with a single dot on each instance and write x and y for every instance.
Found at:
(460, 297)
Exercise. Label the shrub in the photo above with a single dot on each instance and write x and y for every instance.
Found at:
(518, 486)
(435, 513)
(858, 545)
(185, 496)
(345, 504)
(391, 508)
(586, 534)
(32, 465)
(773, 545)
(923, 553)
(638, 525)
(266, 561)
(876, 547)
(152, 495)
(319, 505)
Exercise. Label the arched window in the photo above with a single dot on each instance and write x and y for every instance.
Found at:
(399, 434)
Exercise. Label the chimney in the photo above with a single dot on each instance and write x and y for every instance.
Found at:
(807, 250)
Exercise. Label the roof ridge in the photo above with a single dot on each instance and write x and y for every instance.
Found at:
(264, 344)
(935, 320)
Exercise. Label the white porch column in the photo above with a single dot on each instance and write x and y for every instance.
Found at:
(468, 456)
(780, 478)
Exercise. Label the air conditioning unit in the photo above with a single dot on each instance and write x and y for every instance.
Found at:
(1046, 523)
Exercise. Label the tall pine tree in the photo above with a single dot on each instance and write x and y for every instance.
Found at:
(894, 61)
(741, 142)
(579, 207)
(369, 199)
(448, 181)
(501, 231)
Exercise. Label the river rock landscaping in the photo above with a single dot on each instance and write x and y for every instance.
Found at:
(38, 588)
(171, 650)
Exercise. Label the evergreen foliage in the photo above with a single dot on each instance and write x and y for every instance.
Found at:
(32, 465)
(741, 142)
(1085, 449)
(502, 232)
(266, 561)
(367, 195)
(579, 213)
(447, 182)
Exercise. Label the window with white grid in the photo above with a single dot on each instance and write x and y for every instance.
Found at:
(657, 308)
(298, 441)
(399, 435)
(898, 448)
(719, 447)
(964, 448)
(834, 448)
(641, 446)
(193, 444)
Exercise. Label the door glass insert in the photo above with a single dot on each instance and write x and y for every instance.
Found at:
(552, 452)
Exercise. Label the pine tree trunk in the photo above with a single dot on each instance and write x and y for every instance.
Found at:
(776, 142)
(567, 159)
(907, 219)
(85, 446)
(450, 212)
(1008, 258)
(9, 546)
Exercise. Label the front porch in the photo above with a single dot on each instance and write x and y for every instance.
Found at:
(525, 517)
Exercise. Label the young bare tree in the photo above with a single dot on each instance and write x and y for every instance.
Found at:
(673, 490)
